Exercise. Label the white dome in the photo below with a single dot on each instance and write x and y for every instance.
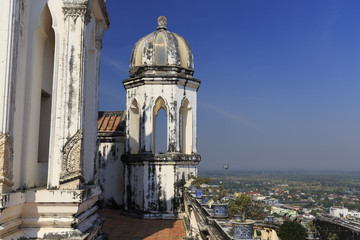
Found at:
(161, 51)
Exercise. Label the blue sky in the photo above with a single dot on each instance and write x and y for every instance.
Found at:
(280, 79)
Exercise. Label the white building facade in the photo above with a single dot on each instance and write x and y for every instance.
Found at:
(338, 211)
(49, 74)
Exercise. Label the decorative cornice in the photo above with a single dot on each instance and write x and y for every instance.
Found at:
(170, 79)
(160, 70)
(76, 9)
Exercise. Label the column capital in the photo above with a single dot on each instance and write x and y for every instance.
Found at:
(76, 9)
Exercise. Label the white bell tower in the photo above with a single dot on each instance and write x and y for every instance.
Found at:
(161, 77)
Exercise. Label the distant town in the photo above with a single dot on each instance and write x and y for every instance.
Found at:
(297, 195)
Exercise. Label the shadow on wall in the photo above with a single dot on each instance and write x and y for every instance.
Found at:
(123, 227)
(111, 171)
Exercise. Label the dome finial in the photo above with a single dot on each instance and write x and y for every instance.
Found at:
(162, 21)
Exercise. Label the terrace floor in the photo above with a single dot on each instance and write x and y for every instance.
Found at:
(128, 228)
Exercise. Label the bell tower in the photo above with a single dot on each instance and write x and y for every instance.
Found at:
(161, 79)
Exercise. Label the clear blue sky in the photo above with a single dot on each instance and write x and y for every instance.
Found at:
(280, 79)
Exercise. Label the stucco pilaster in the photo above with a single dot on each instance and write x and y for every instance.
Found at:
(7, 37)
(173, 124)
(65, 169)
(194, 124)
(8, 61)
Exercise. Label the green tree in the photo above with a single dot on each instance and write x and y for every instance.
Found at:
(292, 231)
(199, 180)
(219, 193)
(257, 211)
(241, 206)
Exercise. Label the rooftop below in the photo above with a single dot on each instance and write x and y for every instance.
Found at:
(118, 226)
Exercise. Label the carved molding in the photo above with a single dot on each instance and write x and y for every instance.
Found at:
(71, 162)
(6, 159)
(99, 32)
(76, 9)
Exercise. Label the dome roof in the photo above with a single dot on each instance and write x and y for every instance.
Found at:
(161, 51)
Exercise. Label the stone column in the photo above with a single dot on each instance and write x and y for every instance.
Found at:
(146, 125)
(100, 27)
(173, 128)
(66, 162)
(8, 53)
(194, 124)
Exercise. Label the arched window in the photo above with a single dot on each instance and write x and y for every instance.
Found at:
(134, 127)
(44, 54)
(186, 132)
(159, 127)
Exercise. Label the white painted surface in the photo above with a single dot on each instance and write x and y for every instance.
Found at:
(111, 173)
(173, 95)
(32, 33)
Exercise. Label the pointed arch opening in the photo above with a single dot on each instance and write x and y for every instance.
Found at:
(43, 82)
(134, 122)
(186, 127)
(160, 126)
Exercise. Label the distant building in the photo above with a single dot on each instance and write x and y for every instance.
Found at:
(343, 212)
(259, 198)
(272, 201)
(283, 211)
(338, 211)
(353, 214)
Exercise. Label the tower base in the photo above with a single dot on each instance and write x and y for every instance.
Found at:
(154, 183)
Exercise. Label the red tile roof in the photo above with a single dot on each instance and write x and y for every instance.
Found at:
(111, 122)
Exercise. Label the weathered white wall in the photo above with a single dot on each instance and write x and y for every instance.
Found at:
(111, 171)
(9, 38)
(156, 188)
(173, 95)
(50, 46)
(29, 32)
